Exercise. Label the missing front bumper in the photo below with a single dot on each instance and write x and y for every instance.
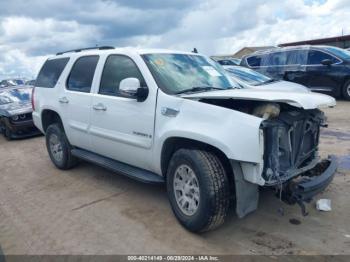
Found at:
(303, 188)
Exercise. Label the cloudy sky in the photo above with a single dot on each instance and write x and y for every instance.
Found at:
(30, 30)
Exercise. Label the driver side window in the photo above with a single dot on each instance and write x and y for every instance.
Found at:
(316, 57)
(117, 68)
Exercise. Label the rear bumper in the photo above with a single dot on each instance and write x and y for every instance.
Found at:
(310, 183)
(37, 121)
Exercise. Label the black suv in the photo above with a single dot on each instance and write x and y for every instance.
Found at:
(324, 69)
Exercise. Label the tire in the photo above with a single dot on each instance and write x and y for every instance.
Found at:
(59, 148)
(208, 205)
(7, 133)
(346, 91)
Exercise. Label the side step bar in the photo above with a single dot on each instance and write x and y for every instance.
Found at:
(119, 167)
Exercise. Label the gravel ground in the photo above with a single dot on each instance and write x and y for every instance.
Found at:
(89, 210)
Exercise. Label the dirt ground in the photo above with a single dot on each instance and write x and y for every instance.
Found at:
(89, 210)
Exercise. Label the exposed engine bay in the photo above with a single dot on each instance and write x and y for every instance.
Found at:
(291, 136)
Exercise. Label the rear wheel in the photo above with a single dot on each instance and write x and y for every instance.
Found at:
(59, 148)
(198, 189)
(346, 91)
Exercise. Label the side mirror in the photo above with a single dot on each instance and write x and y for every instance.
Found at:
(131, 88)
(327, 62)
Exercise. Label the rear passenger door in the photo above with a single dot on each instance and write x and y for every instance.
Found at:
(122, 128)
(275, 64)
(295, 69)
(75, 101)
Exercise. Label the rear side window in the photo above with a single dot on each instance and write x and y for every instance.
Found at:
(316, 57)
(278, 59)
(117, 68)
(82, 74)
(297, 57)
(50, 72)
(254, 61)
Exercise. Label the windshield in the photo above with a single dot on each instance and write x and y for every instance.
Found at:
(249, 76)
(22, 95)
(176, 73)
(342, 53)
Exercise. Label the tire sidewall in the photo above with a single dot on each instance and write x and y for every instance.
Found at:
(8, 133)
(346, 95)
(199, 219)
(58, 131)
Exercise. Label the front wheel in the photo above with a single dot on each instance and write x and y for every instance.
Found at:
(59, 148)
(8, 133)
(346, 91)
(198, 189)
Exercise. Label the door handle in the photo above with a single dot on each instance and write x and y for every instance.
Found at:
(100, 107)
(63, 100)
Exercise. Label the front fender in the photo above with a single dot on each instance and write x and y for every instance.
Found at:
(235, 133)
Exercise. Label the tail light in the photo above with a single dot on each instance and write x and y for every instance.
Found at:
(33, 102)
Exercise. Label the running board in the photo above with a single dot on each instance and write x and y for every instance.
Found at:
(119, 167)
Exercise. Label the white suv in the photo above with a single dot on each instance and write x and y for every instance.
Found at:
(170, 117)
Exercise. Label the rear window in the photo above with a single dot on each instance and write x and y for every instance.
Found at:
(50, 72)
(82, 74)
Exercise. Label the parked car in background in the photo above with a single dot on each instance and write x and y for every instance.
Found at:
(249, 78)
(16, 113)
(323, 69)
(30, 82)
(11, 82)
(229, 62)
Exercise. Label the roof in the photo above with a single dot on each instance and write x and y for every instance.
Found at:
(318, 41)
(288, 48)
(255, 48)
(128, 50)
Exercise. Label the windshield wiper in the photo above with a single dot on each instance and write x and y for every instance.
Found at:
(199, 89)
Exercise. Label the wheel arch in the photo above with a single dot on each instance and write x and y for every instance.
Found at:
(341, 91)
(172, 144)
(49, 117)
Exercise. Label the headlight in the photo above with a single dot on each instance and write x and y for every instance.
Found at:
(19, 117)
(15, 118)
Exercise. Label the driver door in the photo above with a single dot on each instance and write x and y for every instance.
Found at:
(122, 128)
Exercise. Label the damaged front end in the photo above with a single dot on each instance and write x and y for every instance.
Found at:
(291, 144)
(291, 161)
(288, 144)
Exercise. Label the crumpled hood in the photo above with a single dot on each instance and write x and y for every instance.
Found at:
(12, 109)
(283, 86)
(298, 99)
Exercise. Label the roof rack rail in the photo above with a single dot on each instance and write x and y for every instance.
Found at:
(87, 48)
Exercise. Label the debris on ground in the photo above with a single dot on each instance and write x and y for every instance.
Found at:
(323, 205)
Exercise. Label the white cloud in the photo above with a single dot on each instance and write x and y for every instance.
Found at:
(214, 27)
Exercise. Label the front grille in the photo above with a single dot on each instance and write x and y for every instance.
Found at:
(291, 143)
